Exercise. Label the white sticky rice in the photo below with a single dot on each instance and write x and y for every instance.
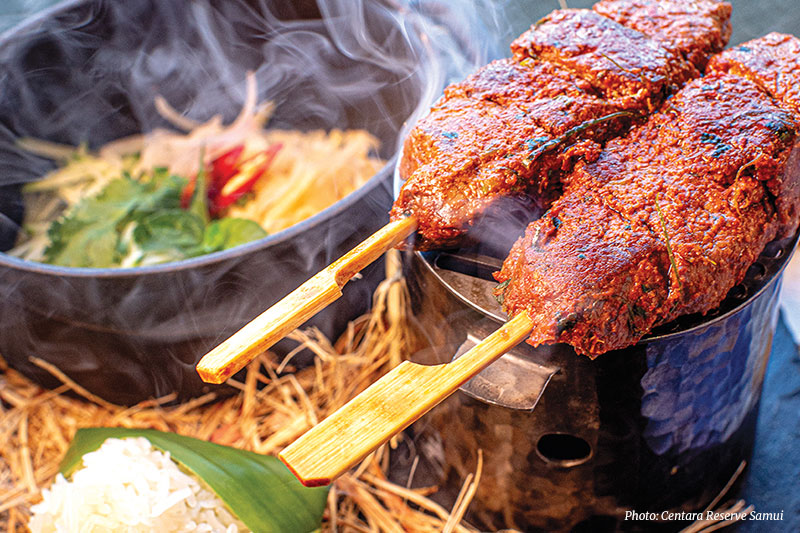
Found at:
(128, 486)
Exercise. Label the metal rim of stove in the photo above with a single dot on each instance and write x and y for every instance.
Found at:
(769, 265)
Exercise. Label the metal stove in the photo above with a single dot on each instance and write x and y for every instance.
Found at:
(571, 444)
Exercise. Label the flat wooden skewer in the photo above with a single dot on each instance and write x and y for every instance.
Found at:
(390, 405)
(298, 306)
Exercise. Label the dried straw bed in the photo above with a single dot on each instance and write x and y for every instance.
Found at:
(269, 412)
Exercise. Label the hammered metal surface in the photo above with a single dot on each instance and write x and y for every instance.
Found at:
(697, 389)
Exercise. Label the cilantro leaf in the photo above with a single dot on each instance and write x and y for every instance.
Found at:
(86, 236)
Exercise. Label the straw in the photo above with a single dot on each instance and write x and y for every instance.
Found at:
(36, 425)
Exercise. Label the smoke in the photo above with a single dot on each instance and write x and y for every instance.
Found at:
(14, 12)
(89, 72)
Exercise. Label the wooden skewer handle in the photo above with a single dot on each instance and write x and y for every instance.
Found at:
(298, 306)
(390, 405)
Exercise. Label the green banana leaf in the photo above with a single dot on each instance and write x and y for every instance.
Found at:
(258, 489)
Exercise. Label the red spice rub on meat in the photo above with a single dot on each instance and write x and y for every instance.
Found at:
(618, 61)
(663, 224)
(516, 126)
(487, 138)
(693, 28)
(772, 61)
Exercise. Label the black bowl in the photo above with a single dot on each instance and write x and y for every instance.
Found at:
(89, 70)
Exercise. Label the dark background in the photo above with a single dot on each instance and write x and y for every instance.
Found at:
(774, 476)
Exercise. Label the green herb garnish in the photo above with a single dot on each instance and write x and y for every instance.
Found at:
(134, 222)
(673, 264)
(553, 143)
(500, 291)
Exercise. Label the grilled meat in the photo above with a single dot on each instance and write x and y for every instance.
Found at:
(516, 126)
(770, 61)
(506, 131)
(617, 61)
(668, 219)
(676, 24)
(767, 61)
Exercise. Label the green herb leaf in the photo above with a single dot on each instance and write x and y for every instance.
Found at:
(162, 189)
(173, 229)
(499, 291)
(258, 489)
(670, 254)
(135, 222)
(229, 232)
(87, 235)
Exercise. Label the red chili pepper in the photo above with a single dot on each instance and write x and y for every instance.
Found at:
(242, 182)
(218, 172)
(228, 169)
(222, 169)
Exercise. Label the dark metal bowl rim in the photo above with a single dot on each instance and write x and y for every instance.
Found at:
(245, 249)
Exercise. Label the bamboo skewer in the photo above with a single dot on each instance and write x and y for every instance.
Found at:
(390, 405)
(298, 306)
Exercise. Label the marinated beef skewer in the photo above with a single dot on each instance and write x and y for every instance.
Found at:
(666, 219)
(512, 129)
(670, 217)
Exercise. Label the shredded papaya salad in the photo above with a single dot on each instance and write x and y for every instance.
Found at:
(169, 195)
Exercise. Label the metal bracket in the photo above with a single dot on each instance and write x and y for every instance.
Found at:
(513, 381)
